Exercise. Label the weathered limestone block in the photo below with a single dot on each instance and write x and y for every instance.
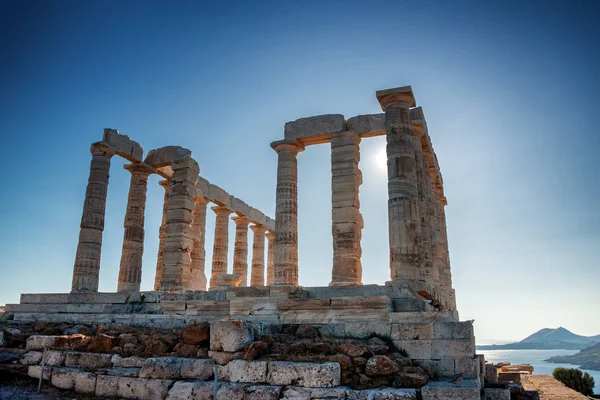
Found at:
(165, 155)
(329, 393)
(416, 349)
(35, 371)
(452, 348)
(240, 250)
(304, 374)
(219, 196)
(244, 371)
(127, 372)
(162, 368)
(491, 373)
(367, 125)
(64, 378)
(37, 342)
(413, 331)
(55, 358)
(395, 394)
(514, 377)
(85, 382)
(107, 386)
(468, 366)
(31, 358)
(258, 256)
(262, 392)
(230, 336)
(200, 369)
(468, 389)
(361, 330)
(88, 360)
(497, 394)
(233, 391)
(123, 145)
(296, 393)
(220, 244)
(134, 388)
(190, 391)
(316, 129)
(440, 369)
(453, 330)
(225, 357)
(286, 213)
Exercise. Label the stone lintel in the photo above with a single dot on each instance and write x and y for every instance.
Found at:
(368, 125)
(141, 166)
(402, 94)
(314, 130)
(165, 156)
(123, 145)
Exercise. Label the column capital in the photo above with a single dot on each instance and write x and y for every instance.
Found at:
(221, 210)
(270, 235)
(401, 95)
(140, 168)
(293, 146)
(200, 199)
(165, 183)
(102, 149)
(257, 228)
(240, 219)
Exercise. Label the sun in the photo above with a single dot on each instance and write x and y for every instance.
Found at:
(381, 159)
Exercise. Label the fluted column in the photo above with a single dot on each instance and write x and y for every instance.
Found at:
(130, 271)
(286, 213)
(240, 250)
(161, 236)
(270, 235)
(198, 278)
(347, 222)
(403, 209)
(87, 259)
(258, 256)
(221, 244)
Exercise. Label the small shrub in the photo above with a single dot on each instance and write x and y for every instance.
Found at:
(575, 379)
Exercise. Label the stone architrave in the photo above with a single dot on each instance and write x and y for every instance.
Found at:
(221, 244)
(87, 258)
(162, 236)
(198, 255)
(347, 222)
(270, 235)
(180, 235)
(240, 250)
(286, 213)
(130, 271)
(258, 256)
(403, 197)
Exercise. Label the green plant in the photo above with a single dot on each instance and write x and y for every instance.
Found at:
(575, 379)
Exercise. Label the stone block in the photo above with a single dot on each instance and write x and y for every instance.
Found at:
(244, 371)
(412, 331)
(248, 292)
(127, 362)
(468, 366)
(31, 358)
(367, 125)
(162, 368)
(416, 349)
(123, 145)
(296, 393)
(459, 348)
(258, 307)
(64, 378)
(88, 360)
(319, 126)
(491, 373)
(230, 336)
(361, 303)
(35, 371)
(225, 357)
(497, 394)
(231, 391)
(218, 195)
(304, 374)
(107, 386)
(395, 394)
(468, 389)
(132, 372)
(453, 330)
(37, 342)
(201, 369)
(262, 392)
(166, 155)
(361, 330)
(439, 368)
(514, 377)
(329, 393)
(191, 391)
(215, 307)
(173, 307)
(55, 358)
(85, 382)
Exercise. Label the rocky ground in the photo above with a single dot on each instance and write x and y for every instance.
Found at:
(17, 387)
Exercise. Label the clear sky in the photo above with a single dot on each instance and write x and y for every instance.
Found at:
(509, 89)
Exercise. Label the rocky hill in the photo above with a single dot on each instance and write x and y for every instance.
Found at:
(588, 358)
(548, 338)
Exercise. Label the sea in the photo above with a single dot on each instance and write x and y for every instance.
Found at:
(536, 359)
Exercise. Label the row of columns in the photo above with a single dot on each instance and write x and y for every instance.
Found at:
(181, 253)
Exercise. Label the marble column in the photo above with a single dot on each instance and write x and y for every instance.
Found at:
(258, 256)
(347, 222)
(403, 197)
(87, 258)
(221, 244)
(130, 271)
(162, 236)
(198, 255)
(240, 250)
(179, 240)
(270, 235)
(286, 213)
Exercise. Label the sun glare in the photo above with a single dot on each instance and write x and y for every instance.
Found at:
(381, 159)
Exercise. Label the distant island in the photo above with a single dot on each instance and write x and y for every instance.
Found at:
(588, 358)
(549, 339)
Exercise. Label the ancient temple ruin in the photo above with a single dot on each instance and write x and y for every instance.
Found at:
(415, 311)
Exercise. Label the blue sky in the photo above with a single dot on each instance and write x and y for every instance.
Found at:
(509, 89)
